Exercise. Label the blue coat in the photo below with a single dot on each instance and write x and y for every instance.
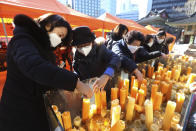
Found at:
(128, 59)
(31, 72)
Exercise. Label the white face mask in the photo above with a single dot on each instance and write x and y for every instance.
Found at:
(85, 50)
(150, 44)
(55, 40)
(160, 40)
(133, 49)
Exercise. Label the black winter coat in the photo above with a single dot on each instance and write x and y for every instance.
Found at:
(112, 39)
(95, 63)
(128, 59)
(159, 47)
(30, 73)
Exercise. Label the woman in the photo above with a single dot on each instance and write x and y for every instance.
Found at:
(117, 34)
(93, 60)
(148, 43)
(165, 48)
(32, 71)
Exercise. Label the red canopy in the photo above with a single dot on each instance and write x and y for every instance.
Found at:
(132, 25)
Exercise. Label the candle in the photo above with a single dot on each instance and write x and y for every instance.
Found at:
(168, 95)
(144, 82)
(132, 81)
(114, 103)
(116, 111)
(58, 114)
(189, 69)
(114, 93)
(154, 89)
(177, 75)
(173, 73)
(85, 109)
(139, 108)
(148, 113)
(179, 101)
(156, 82)
(67, 120)
(134, 92)
(77, 121)
(160, 69)
(98, 102)
(169, 74)
(126, 83)
(152, 72)
(158, 77)
(123, 97)
(144, 72)
(143, 87)
(120, 83)
(141, 97)
(149, 71)
(93, 110)
(154, 127)
(176, 118)
(169, 112)
(164, 87)
(158, 101)
(55, 108)
(190, 79)
(119, 126)
(130, 108)
(103, 100)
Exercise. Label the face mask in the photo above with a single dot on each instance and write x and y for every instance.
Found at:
(160, 40)
(150, 44)
(133, 49)
(85, 50)
(55, 40)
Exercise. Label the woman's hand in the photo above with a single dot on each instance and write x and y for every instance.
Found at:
(84, 89)
(100, 83)
(163, 55)
(138, 75)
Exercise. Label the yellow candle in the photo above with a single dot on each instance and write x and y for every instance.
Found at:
(123, 97)
(160, 69)
(169, 74)
(55, 108)
(189, 69)
(58, 114)
(141, 97)
(114, 93)
(144, 82)
(139, 108)
(154, 89)
(126, 83)
(179, 101)
(93, 110)
(144, 72)
(164, 87)
(114, 103)
(190, 79)
(177, 75)
(85, 109)
(158, 100)
(173, 73)
(98, 102)
(143, 87)
(119, 126)
(120, 83)
(156, 82)
(168, 95)
(67, 120)
(132, 81)
(169, 112)
(152, 72)
(158, 77)
(148, 113)
(130, 108)
(103, 100)
(149, 71)
(116, 111)
(134, 92)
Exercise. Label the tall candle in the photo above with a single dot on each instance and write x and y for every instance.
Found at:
(132, 82)
(173, 73)
(144, 82)
(116, 111)
(114, 93)
(85, 109)
(177, 75)
(130, 108)
(149, 71)
(134, 92)
(144, 72)
(158, 77)
(189, 69)
(148, 113)
(98, 102)
(169, 112)
(123, 97)
(169, 74)
(156, 82)
(179, 101)
(158, 100)
(126, 83)
(141, 97)
(114, 103)
(93, 110)
(103, 100)
(139, 108)
(67, 120)
(120, 83)
(168, 95)
(164, 87)
(143, 87)
(58, 114)
(119, 126)
(154, 89)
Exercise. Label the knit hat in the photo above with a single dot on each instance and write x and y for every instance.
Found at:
(82, 35)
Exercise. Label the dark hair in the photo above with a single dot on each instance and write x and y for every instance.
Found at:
(119, 30)
(161, 33)
(169, 40)
(56, 21)
(134, 35)
(148, 37)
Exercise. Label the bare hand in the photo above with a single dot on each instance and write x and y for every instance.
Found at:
(138, 75)
(163, 55)
(100, 83)
(84, 89)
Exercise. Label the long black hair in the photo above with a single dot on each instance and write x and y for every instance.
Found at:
(118, 31)
(56, 21)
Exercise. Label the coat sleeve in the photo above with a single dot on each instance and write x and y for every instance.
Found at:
(126, 63)
(142, 55)
(111, 57)
(33, 66)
